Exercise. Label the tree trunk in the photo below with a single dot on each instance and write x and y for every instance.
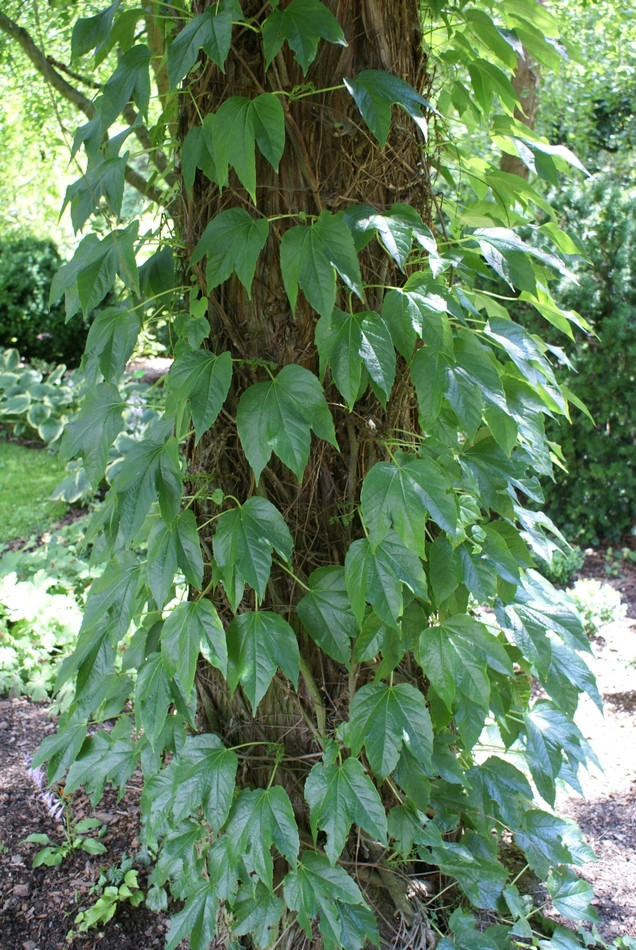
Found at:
(526, 84)
(330, 162)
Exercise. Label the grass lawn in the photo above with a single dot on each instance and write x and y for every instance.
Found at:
(27, 479)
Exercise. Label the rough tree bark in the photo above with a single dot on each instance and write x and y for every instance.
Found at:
(331, 162)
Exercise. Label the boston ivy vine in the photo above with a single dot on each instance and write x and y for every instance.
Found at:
(339, 716)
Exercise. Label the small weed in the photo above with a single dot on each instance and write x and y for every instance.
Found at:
(114, 885)
(75, 838)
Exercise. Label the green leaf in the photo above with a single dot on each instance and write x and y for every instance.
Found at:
(199, 151)
(376, 574)
(374, 93)
(443, 569)
(206, 773)
(114, 596)
(171, 547)
(395, 229)
(131, 80)
(61, 749)
(89, 275)
(406, 494)
(315, 887)
(259, 819)
(571, 896)
(243, 543)
(239, 125)
(211, 31)
(383, 719)
(303, 24)
(338, 796)
(111, 340)
(417, 311)
(93, 32)
(257, 912)
(92, 431)
(202, 380)
(310, 255)
(278, 416)
(542, 836)
(258, 643)
(151, 470)
(346, 342)
(428, 372)
(189, 627)
(105, 179)
(102, 758)
(325, 613)
(232, 241)
(196, 922)
(152, 697)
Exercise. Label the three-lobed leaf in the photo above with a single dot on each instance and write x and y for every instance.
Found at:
(260, 642)
(211, 32)
(278, 416)
(303, 23)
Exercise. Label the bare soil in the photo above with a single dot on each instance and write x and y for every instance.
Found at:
(38, 906)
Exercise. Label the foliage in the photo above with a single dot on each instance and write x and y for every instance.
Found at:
(598, 604)
(42, 593)
(111, 896)
(563, 563)
(36, 402)
(590, 103)
(75, 837)
(28, 477)
(339, 472)
(596, 497)
(27, 320)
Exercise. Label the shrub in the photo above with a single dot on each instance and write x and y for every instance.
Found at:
(596, 498)
(563, 564)
(27, 321)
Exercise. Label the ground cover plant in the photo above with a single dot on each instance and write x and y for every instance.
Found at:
(341, 472)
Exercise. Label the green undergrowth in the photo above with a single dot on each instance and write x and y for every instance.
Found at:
(28, 477)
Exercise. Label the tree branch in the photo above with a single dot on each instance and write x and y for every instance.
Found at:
(81, 102)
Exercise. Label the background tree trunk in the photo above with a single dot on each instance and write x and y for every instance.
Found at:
(331, 162)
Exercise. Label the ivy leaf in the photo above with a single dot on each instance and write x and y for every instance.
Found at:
(171, 547)
(89, 275)
(278, 416)
(395, 229)
(93, 32)
(199, 151)
(315, 887)
(202, 380)
(243, 544)
(105, 179)
(383, 719)
(231, 242)
(211, 31)
(206, 774)
(152, 698)
(338, 796)
(241, 123)
(325, 613)
(571, 895)
(405, 494)
(113, 596)
(111, 340)
(310, 255)
(376, 574)
(346, 342)
(92, 431)
(374, 93)
(131, 80)
(303, 24)
(257, 912)
(261, 818)
(196, 922)
(150, 470)
(258, 643)
(418, 312)
(190, 626)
